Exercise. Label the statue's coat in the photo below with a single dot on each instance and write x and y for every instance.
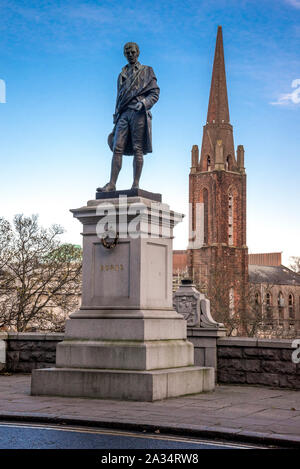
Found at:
(142, 87)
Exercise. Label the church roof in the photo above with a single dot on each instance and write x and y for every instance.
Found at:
(274, 275)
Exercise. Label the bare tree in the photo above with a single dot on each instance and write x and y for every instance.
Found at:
(295, 264)
(253, 315)
(6, 280)
(246, 315)
(218, 293)
(39, 276)
(258, 314)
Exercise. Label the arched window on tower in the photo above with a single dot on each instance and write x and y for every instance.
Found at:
(291, 306)
(205, 220)
(208, 163)
(231, 302)
(228, 163)
(230, 219)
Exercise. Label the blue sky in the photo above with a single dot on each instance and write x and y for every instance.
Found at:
(60, 61)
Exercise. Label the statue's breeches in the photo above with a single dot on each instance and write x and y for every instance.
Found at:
(131, 125)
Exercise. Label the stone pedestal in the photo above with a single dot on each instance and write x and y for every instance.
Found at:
(125, 341)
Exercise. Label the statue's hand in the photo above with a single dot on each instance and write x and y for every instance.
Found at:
(136, 107)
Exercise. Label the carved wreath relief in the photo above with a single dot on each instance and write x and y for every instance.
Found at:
(187, 306)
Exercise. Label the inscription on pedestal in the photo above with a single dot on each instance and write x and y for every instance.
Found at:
(107, 267)
(111, 272)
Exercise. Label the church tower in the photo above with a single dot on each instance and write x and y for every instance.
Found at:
(217, 254)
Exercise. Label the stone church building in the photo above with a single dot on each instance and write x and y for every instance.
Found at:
(217, 256)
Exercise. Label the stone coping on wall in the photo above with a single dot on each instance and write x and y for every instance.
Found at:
(31, 336)
(222, 341)
(213, 332)
(254, 342)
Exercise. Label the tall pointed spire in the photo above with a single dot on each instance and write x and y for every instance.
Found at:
(217, 151)
(218, 111)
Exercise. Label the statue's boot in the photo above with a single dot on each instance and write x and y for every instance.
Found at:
(138, 162)
(116, 165)
(109, 187)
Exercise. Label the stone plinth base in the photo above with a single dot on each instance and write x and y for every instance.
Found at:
(131, 355)
(128, 193)
(125, 341)
(121, 384)
(125, 355)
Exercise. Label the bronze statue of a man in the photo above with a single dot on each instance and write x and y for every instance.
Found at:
(132, 133)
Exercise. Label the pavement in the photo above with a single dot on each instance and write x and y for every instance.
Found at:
(236, 413)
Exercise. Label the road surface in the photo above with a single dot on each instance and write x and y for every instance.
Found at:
(30, 436)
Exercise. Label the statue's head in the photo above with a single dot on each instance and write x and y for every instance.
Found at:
(131, 52)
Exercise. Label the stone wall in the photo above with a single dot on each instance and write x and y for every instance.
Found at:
(240, 360)
(266, 362)
(27, 351)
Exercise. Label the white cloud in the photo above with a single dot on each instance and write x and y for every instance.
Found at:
(2, 91)
(290, 98)
(294, 3)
